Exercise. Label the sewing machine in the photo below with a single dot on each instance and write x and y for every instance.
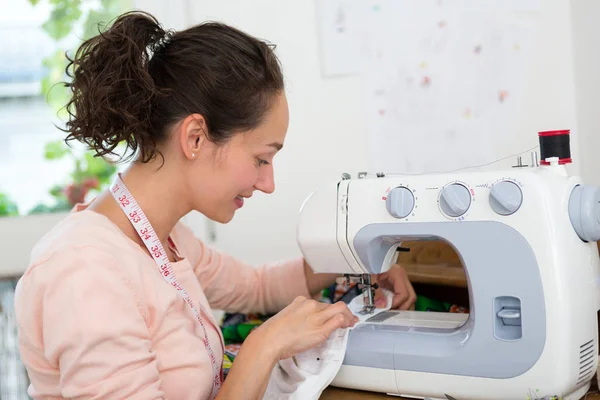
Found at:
(526, 238)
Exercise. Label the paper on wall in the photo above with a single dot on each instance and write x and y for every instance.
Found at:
(441, 85)
(344, 26)
(442, 79)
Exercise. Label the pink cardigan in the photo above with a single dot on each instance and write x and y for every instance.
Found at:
(97, 320)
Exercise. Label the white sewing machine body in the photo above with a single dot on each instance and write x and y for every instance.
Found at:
(533, 280)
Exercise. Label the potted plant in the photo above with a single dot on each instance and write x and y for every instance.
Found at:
(89, 175)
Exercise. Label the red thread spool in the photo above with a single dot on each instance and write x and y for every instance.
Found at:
(555, 144)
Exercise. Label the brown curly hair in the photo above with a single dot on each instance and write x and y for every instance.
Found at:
(131, 85)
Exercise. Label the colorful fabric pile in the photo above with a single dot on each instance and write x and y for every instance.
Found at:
(236, 328)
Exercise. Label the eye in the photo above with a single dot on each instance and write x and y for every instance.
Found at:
(260, 162)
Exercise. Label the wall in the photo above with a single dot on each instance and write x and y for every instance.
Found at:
(586, 45)
(327, 127)
(549, 96)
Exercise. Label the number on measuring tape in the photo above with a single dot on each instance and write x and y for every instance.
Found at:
(155, 250)
(165, 269)
(135, 218)
(124, 201)
(144, 234)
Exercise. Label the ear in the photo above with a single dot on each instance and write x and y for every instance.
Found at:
(192, 135)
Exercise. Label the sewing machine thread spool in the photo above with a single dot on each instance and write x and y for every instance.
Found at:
(555, 144)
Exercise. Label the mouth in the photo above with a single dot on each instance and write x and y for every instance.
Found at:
(239, 201)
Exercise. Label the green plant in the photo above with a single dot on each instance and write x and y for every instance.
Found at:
(7, 206)
(90, 174)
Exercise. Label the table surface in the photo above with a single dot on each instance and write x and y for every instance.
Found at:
(333, 393)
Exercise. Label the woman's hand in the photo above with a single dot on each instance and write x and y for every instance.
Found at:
(395, 280)
(302, 325)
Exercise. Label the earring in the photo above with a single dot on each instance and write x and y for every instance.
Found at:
(193, 155)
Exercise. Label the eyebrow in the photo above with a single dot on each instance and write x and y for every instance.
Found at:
(278, 146)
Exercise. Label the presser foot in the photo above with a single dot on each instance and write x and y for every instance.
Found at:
(367, 310)
(368, 289)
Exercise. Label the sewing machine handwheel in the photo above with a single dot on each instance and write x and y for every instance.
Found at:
(584, 212)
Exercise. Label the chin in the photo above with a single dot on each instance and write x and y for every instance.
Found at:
(221, 217)
(217, 214)
(224, 220)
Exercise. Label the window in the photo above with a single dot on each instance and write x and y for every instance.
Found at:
(38, 172)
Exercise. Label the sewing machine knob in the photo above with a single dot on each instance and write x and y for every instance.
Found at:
(400, 202)
(584, 212)
(455, 200)
(506, 197)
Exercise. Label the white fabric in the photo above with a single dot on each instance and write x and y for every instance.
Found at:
(306, 375)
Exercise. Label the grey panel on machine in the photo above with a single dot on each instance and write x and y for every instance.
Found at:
(506, 330)
(584, 212)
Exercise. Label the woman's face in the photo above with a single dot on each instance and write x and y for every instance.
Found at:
(222, 177)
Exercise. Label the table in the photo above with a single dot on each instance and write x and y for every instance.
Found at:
(333, 393)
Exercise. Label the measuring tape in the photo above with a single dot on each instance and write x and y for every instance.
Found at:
(144, 229)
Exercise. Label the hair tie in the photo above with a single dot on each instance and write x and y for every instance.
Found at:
(162, 42)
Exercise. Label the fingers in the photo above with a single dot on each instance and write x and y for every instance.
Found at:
(339, 320)
(409, 298)
(331, 311)
(401, 294)
(396, 280)
(300, 300)
(309, 306)
(409, 304)
(380, 299)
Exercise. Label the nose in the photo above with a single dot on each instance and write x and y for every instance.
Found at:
(266, 180)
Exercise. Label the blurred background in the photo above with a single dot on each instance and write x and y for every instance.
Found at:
(405, 86)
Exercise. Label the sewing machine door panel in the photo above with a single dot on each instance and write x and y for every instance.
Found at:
(505, 332)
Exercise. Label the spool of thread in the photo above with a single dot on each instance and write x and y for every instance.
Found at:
(555, 144)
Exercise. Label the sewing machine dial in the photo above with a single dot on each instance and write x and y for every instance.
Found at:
(455, 199)
(506, 197)
(400, 202)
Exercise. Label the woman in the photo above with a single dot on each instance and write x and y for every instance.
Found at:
(116, 301)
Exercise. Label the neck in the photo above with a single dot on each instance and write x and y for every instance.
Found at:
(158, 196)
